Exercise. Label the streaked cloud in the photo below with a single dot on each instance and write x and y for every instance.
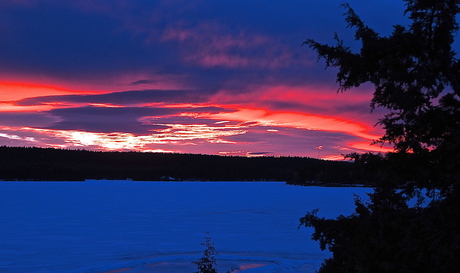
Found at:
(136, 97)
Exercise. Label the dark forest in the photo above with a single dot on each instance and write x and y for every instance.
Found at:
(48, 164)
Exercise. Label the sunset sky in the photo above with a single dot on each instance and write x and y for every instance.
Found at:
(204, 76)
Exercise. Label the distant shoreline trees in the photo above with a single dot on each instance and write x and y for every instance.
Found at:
(47, 164)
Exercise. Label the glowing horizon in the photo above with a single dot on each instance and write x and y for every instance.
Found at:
(170, 80)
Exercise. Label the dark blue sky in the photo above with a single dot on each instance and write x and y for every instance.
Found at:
(216, 77)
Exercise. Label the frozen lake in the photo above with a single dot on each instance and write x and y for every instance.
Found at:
(139, 227)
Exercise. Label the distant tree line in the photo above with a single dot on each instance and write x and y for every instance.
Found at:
(48, 164)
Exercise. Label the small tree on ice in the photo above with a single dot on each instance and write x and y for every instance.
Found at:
(207, 262)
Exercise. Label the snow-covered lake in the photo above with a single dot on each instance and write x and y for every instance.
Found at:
(139, 227)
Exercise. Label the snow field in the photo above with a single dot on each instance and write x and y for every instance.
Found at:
(109, 226)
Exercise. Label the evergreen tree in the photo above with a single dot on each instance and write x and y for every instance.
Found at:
(416, 77)
(207, 262)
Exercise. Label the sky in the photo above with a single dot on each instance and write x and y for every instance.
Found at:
(204, 76)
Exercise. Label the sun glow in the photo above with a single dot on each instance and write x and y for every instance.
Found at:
(213, 134)
(175, 134)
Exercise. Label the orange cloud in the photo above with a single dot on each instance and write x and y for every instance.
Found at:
(333, 157)
(367, 147)
(12, 91)
(10, 107)
(296, 120)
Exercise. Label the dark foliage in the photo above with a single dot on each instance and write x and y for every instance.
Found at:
(416, 77)
(65, 165)
(386, 235)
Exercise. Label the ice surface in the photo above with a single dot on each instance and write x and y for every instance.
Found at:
(137, 227)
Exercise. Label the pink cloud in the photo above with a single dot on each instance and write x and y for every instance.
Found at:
(312, 96)
(211, 45)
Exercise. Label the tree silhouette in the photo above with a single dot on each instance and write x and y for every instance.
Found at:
(416, 77)
(207, 262)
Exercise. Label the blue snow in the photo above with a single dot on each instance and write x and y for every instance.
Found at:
(103, 226)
